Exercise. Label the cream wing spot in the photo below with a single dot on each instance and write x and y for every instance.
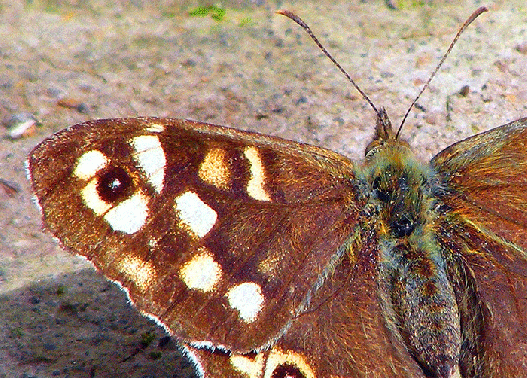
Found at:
(247, 298)
(214, 169)
(89, 164)
(92, 200)
(151, 158)
(201, 272)
(262, 366)
(251, 367)
(142, 273)
(155, 128)
(287, 358)
(195, 214)
(129, 215)
(255, 186)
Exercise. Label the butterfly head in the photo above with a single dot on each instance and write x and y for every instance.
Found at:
(385, 137)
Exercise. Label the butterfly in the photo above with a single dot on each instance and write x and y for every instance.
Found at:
(272, 258)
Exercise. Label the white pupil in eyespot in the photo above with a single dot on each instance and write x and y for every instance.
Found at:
(115, 184)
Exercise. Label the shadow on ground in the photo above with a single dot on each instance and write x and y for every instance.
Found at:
(81, 325)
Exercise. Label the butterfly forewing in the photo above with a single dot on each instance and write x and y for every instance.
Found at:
(283, 254)
(486, 177)
(223, 235)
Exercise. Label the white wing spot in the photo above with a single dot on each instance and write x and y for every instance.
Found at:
(91, 198)
(247, 298)
(151, 158)
(155, 128)
(89, 164)
(130, 215)
(195, 213)
(140, 272)
(255, 186)
(201, 272)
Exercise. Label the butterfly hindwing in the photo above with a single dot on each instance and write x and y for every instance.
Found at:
(344, 333)
(224, 241)
(493, 301)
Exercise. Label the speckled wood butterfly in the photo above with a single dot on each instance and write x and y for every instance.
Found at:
(270, 258)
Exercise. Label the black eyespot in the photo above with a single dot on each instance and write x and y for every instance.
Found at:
(287, 371)
(114, 184)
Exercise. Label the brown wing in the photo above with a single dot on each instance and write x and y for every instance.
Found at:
(487, 179)
(485, 197)
(343, 334)
(222, 235)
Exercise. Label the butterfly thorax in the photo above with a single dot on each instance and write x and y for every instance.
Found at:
(418, 299)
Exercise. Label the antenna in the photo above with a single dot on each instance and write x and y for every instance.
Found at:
(308, 30)
(469, 20)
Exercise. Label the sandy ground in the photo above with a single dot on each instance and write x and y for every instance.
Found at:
(251, 70)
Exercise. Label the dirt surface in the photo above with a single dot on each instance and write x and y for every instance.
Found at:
(67, 62)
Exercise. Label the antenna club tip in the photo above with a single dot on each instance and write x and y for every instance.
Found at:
(288, 14)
